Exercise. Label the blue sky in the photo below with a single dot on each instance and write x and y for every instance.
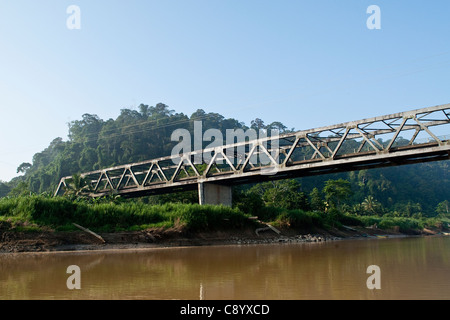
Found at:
(304, 63)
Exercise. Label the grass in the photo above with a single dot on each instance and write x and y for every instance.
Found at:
(403, 224)
(59, 213)
(333, 218)
(38, 212)
(295, 218)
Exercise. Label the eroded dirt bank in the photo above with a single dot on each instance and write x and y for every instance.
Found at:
(47, 241)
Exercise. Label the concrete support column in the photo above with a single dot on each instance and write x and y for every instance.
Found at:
(215, 194)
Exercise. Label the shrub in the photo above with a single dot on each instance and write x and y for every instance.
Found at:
(297, 218)
(350, 220)
(61, 212)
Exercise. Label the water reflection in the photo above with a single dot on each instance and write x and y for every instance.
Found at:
(411, 268)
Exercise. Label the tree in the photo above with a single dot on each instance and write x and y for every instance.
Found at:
(249, 201)
(276, 125)
(257, 124)
(144, 110)
(443, 208)
(24, 167)
(22, 189)
(161, 110)
(4, 189)
(409, 209)
(78, 187)
(316, 200)
(88, 157)
(335, 191)
(371, 205)
(283, 194)
(198, 115)
(85, 130)
(356, 209)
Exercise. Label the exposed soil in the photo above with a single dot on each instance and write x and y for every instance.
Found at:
(46, 241)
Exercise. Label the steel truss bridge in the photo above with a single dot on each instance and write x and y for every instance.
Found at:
(402, 138)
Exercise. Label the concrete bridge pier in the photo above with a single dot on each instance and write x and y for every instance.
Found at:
(215, 194)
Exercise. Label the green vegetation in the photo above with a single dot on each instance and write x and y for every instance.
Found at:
(112, 215)
(42, 212)
(328, 208)
(405, 198)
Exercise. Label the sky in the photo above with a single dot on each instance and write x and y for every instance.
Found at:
(306, 63)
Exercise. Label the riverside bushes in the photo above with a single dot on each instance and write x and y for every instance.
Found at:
(403, 224)
(59, 213)
(296, 218)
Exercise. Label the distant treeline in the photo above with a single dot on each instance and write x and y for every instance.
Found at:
(143, 134)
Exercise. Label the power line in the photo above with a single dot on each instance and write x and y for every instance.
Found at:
(142, 130)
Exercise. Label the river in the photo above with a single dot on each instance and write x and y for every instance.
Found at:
(408, 268)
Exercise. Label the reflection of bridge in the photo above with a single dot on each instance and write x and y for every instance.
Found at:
(391, 140)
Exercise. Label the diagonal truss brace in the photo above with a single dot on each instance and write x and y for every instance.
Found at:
(357, 141)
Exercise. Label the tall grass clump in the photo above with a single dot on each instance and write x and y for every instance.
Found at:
(60, 213)
(208, 217)
(297, 218)
(403, 224)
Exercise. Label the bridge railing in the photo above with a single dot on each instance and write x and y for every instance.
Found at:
(407, 133)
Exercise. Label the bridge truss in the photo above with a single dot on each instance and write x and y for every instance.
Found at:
(403, 138)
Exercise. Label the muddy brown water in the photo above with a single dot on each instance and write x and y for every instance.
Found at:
(409, 268)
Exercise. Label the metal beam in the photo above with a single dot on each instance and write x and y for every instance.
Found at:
(340, 141)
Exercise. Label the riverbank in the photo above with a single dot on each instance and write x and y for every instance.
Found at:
(40, 224)
(52, 241)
